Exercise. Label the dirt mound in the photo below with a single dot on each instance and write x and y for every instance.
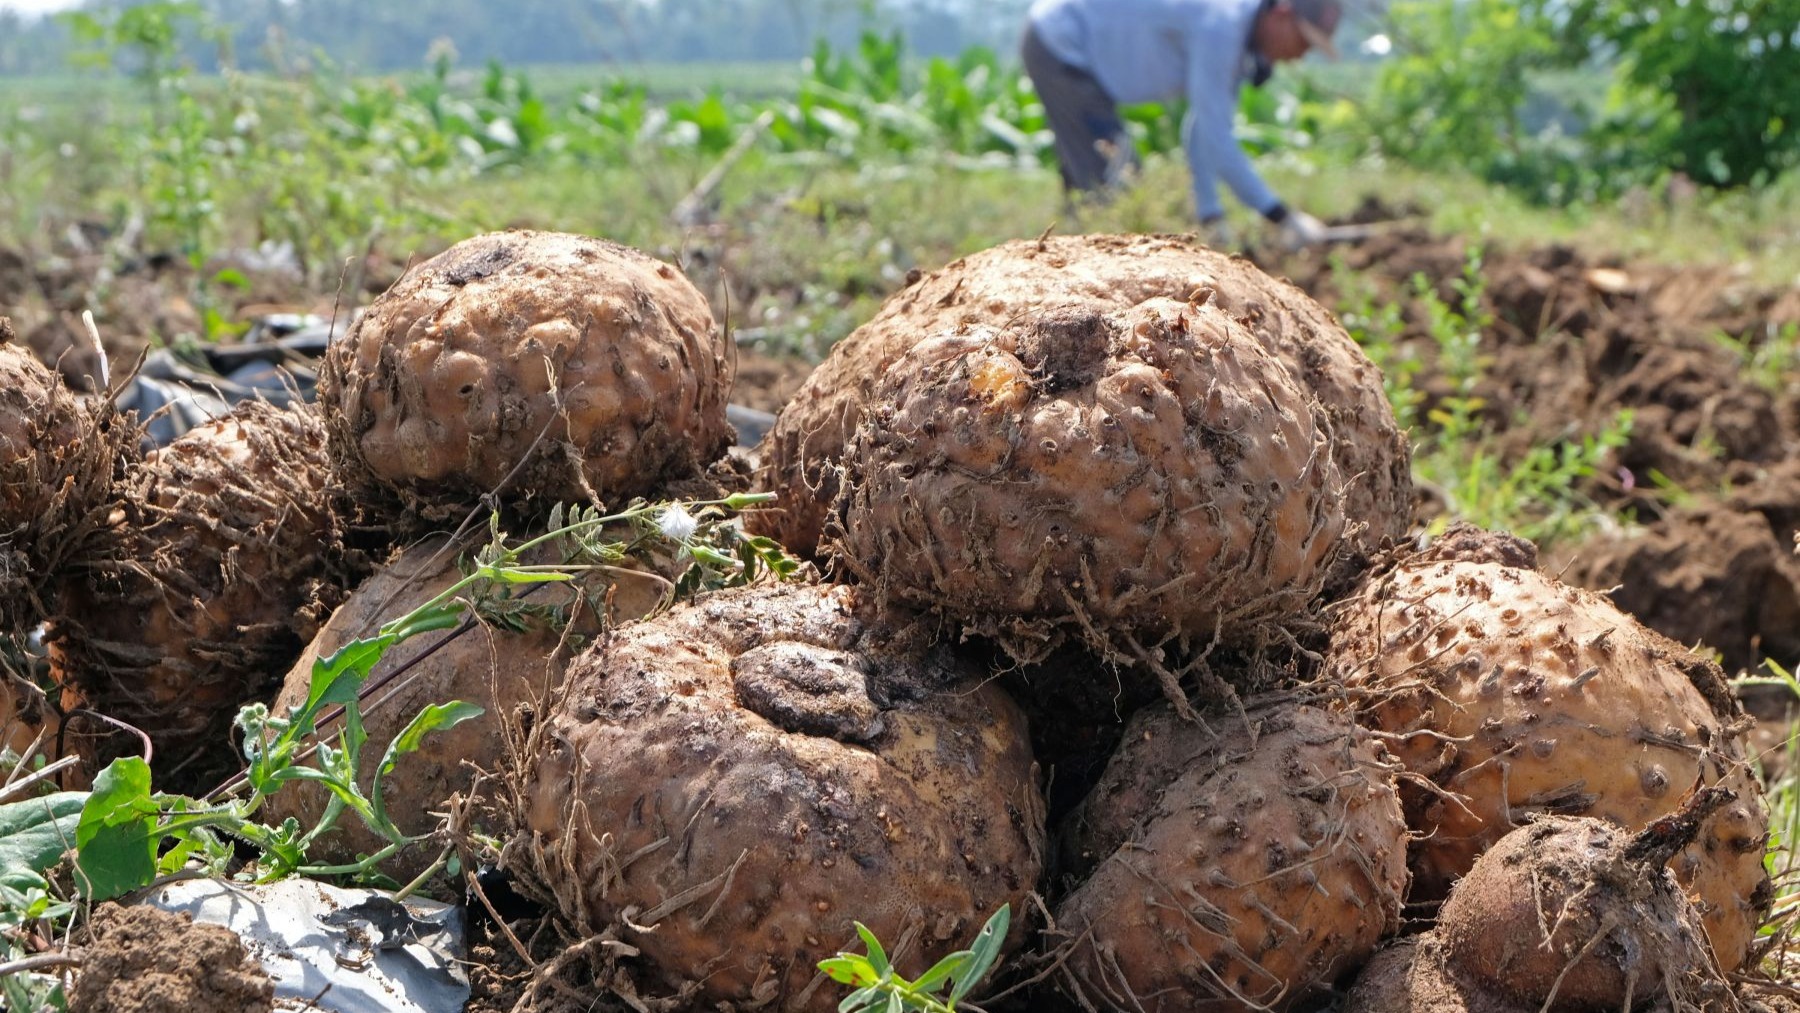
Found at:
(1720, 574)
(142, 960)
(141, 299)
(1575, 339)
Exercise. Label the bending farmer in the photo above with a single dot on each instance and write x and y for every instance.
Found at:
(1088, 57)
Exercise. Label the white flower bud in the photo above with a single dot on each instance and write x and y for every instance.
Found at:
(676, 524)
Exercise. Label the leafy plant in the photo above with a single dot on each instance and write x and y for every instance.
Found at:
(1456, 90)
(1783, 858)
(181, 154)
(1721, 74)
(144, 38)
(1770, 362)
(878, 987)
(1665, 86)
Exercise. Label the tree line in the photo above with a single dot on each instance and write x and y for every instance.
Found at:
(373, 37)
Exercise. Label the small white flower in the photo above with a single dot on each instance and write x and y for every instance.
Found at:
(677, 524)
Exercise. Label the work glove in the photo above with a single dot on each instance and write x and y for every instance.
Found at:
(1299, 230)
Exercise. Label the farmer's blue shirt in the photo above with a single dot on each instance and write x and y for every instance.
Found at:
(1158, 50)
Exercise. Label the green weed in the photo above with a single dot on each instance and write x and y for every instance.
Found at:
(1770, 362)
(1537, 495)
(880, 989)
(1783, 861)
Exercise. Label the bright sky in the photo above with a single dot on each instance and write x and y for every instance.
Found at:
(36, 6)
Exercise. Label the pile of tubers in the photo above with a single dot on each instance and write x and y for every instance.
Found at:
(1326, 765)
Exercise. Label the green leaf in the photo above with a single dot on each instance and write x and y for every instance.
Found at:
(172, 860)
(336, 678)
(860, 999)
(15, 883)
(508, 575)
(877, 956)
(436, 717)
(983, 953)
(35, 832)
(116, 837)
(708, 554)
(943, 970)
(849, 969)
(233, 278)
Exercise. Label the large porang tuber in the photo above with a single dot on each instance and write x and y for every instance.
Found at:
(1151, 471)
(541, 366)
(1242, 870)
(1510, 693)
(510, 651)
(58, 460)
(229, 549)
(1565, 914)
(1015, 284)
(727, 786)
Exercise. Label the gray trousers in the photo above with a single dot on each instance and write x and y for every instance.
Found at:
(1092, 146)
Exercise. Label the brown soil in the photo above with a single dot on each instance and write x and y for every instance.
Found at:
(142, 960)
(1575, 339)
(136, 302)
(1721, 572)
(502, 981)
(764, 381)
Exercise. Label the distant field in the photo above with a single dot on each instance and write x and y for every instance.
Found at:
(751, 80)
(757, 80)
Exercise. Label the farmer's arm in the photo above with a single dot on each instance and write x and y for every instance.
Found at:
(1212, 146)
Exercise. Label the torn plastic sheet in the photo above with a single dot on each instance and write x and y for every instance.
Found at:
(342, 951)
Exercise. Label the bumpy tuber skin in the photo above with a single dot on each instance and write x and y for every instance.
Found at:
(729, 785)
(1515, 694)
(513, 656)
(1152, 470)
(58, 460)
(1567, 913)
(1409, 976)
(229, 548)
(1256, 873)
(1617, 929)
(545, 366)
(1016, 283)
